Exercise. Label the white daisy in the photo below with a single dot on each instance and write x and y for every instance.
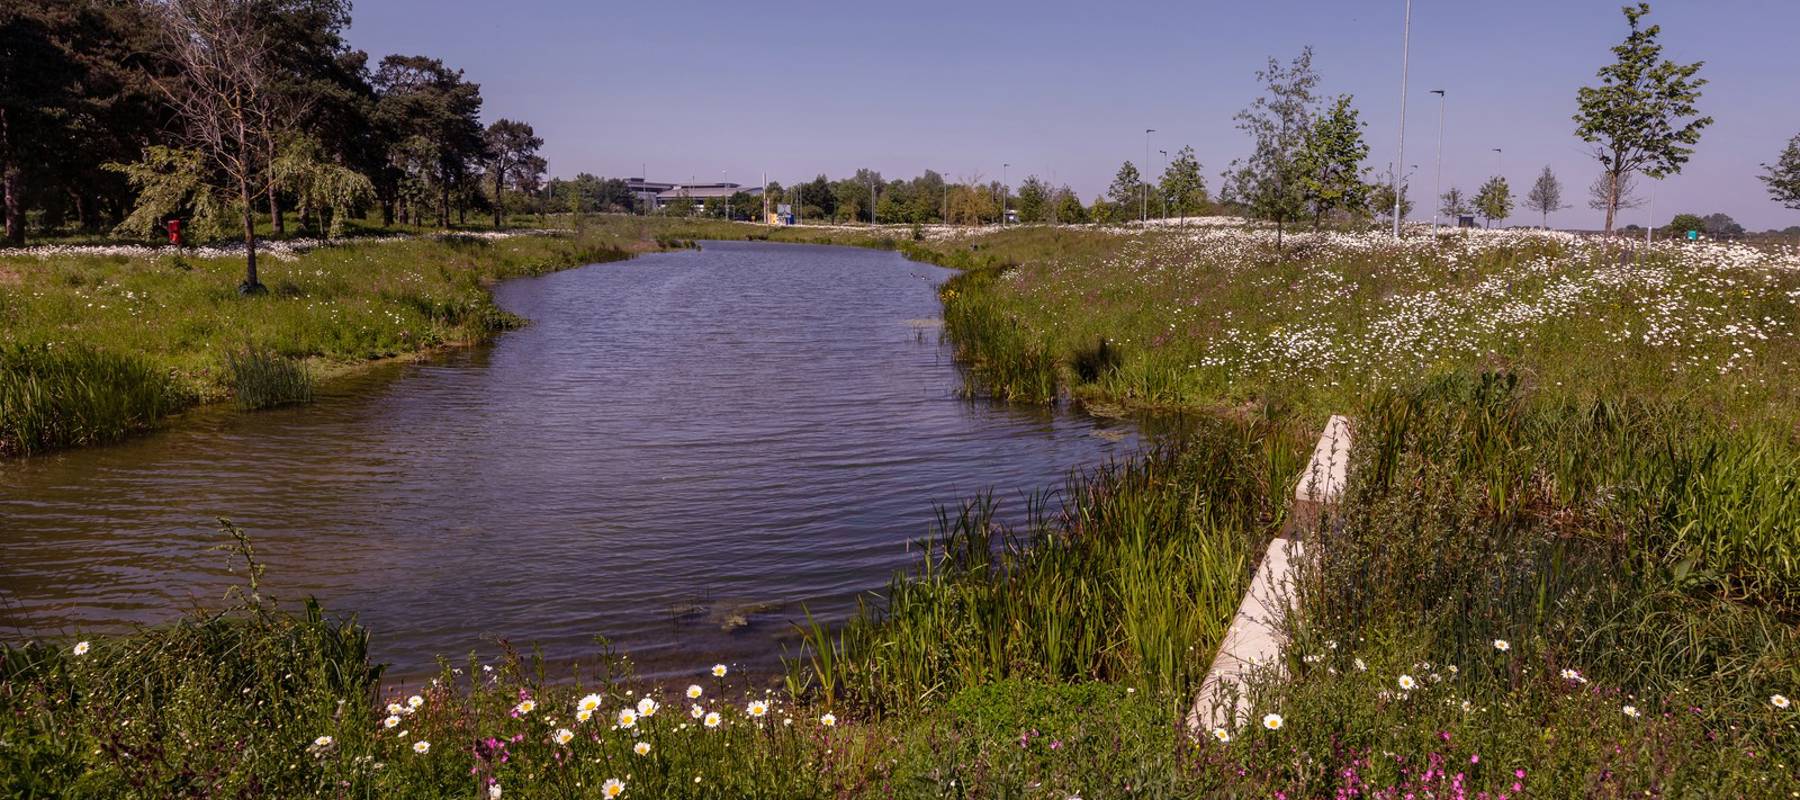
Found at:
(627, 718)
(81, 648)
(564, 735)
(641, 748)
(694, 691)
(421, 747)
(613, 787)
(829, 720)
(1273, 721)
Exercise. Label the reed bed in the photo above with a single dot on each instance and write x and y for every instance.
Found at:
(70, 395)
(1132, 581)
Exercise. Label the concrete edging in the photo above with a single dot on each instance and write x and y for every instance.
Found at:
(1253, 643)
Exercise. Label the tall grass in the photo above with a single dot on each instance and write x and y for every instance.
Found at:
(263, 379)
(1616, 539)
(66, 395)
(1132, 580)
(1509, 599)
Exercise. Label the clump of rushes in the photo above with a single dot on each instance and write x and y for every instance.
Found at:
(264, 379)
(65, 395)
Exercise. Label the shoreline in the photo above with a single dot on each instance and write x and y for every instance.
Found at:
(130, 261)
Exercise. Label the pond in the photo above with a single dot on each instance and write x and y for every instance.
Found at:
(682, 453)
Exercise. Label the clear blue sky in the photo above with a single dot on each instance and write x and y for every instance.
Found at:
(1067, 89)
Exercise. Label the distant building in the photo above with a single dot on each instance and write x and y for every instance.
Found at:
(657, 194)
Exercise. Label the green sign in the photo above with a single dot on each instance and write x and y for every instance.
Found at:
(1692, 235)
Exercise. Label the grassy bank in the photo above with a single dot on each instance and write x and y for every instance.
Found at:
(1217, 316)
(97, 345)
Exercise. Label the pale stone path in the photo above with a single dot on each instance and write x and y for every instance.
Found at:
(1253, 642)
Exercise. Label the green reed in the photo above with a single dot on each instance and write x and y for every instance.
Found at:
(66, 395)
(264, 379)
(1133, 579)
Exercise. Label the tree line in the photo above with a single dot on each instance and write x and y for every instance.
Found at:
(119, 115)
(1641, 119)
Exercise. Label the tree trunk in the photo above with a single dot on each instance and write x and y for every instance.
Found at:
(444, 202)
(250, 285)
(10, 176)
(499, 199)
(1612, 198)
(387, 213)
(275, 222)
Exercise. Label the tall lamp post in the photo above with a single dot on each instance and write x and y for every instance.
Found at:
(1163, 194)
(1400, 157)
(1437, 183)
(1499, 166)
(1144, 210)
(1004, 191)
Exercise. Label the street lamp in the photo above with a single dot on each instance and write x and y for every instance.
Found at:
(1400, 156)
(1144, 210)
(1498, 168)
(1165, 195)
(1003, 193)
(1437, 183)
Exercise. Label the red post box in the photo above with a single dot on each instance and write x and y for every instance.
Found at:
(175, 232)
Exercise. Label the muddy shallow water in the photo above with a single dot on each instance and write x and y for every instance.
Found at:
(680, 453)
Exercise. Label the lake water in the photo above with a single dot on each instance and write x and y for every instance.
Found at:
(681, 452)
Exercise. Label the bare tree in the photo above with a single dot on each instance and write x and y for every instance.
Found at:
(1545, 196)
(1606, 195)
(221, 93)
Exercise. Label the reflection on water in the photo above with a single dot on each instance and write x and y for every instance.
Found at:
(680, 453)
